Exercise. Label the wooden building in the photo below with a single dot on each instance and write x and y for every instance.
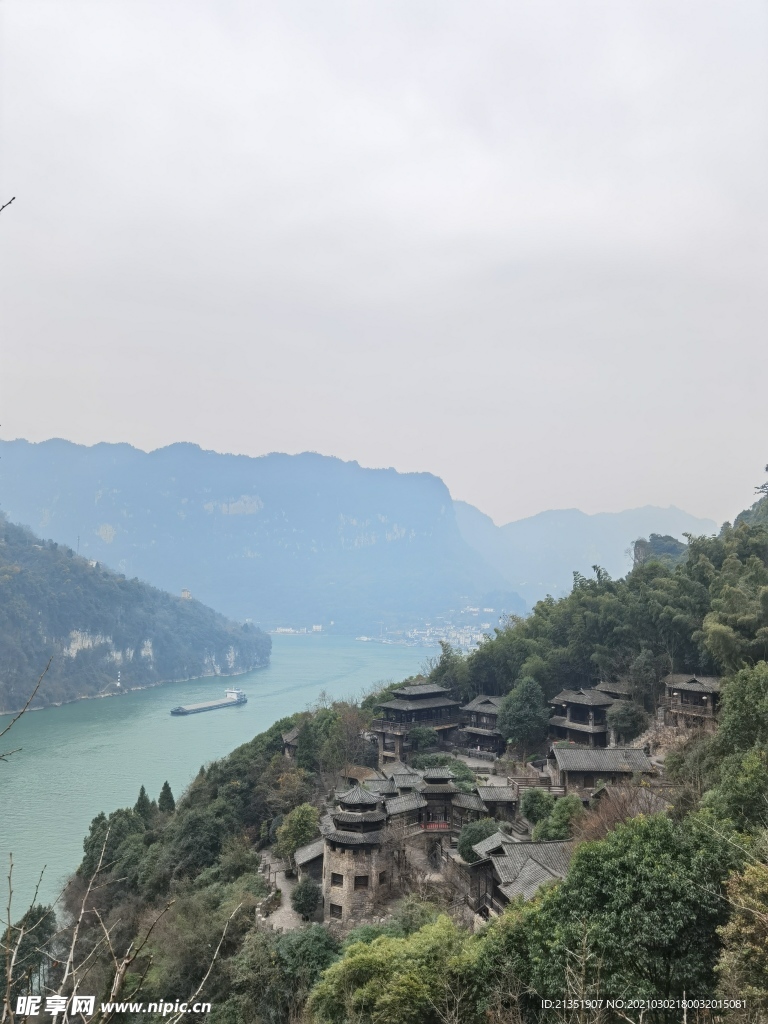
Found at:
(479, 729)
(584, 768)
(690, 700)
(425, 705)
(580, 716)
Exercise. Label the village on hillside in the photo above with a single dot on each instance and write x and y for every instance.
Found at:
(396, 828)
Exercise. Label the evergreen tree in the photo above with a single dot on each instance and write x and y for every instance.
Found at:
(523, 715)
(166, 803)
(305, 898)
(142, 806)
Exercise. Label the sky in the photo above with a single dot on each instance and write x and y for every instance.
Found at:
(520, 245)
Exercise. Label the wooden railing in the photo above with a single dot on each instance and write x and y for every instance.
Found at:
(402, 728)
(677, 706)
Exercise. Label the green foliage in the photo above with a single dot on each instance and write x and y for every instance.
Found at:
(390, 980)
(471, 834)
(559, 823)
(628, 720)
(537, 804)
(30, 973)
(48, 595)
(165, 802)
(105, 837)
(270, 977)
(298, 828)
(421, 737)
(743, 965)
(306, 897)
(744, 709)
(143, 807)
(645, 903)
(523, 715)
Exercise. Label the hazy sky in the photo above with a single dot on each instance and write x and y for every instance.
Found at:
(522, 245)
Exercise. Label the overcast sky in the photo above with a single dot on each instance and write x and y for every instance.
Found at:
(521, 245)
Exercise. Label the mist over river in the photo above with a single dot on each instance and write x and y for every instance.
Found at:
(93, 755)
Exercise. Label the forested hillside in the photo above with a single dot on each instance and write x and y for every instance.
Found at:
(94, 623)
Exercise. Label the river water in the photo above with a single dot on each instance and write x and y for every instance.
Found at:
(94, 755)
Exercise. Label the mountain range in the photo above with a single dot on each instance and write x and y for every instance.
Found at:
(299, 540)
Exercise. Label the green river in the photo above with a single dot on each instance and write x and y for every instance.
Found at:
(93, 755)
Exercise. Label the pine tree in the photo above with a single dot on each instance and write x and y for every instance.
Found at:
(166, 803)
(142, 806)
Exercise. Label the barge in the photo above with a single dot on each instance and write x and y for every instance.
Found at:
(232, 698)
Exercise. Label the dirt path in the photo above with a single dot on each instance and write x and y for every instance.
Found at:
(285, 918)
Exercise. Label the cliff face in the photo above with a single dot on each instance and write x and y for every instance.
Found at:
(282, 540)
(96, 623)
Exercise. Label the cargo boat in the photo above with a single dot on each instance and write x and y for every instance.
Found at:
(232, 698)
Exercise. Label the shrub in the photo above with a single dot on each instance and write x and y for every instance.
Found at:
(305, 898)
(474, 832)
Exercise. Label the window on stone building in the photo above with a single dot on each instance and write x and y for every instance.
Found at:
(337, 879)
(382, 877)
(361, 881)
(335, 910)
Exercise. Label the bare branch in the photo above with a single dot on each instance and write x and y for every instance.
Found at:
(177, 1017)
(29, 700)
(7, 204)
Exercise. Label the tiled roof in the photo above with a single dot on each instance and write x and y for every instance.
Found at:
(383, 787)
(355, 838)
(360, 773)
(408, 705)
(477, 731)
(411, 781)
(622, 686)
(553, 857)
(393, 767)
(592, 697)
(498, 794)
(483, 703)
(291, 735)
(698, 684)
(532, 876)
(421, 690)
(469, 801)
(601, 759)
(407, 802)
(309, 852)
(433, 774)
(498, 841)
(350, 817)
(358, 797)
(440, 789)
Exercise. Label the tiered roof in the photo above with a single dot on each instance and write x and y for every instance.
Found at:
(483, 703)
(694, 683)
(593, 698)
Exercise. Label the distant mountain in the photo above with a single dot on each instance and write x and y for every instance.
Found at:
(285, 540)
(539, 555)
(95, 623)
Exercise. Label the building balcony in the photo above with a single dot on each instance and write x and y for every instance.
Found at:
(678, 707)
(565, 723)
(402, 728)
(436, 826)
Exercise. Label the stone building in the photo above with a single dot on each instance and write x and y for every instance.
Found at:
(356, 863)
(425, 705)
(291, 741)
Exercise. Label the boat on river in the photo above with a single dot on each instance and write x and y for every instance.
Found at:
(233, 697)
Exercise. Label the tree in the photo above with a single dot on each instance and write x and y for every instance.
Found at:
(627, 719)
(305, 898)
(523, 715)
(298, 828)
(474, 832)
(537, 804)
(421, 737)
(743, 964)
(166, 803)
(143, 807)
(306, 744)
(648, 900)
(559, 824)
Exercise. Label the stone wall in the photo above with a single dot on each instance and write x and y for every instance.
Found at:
(349, 864)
